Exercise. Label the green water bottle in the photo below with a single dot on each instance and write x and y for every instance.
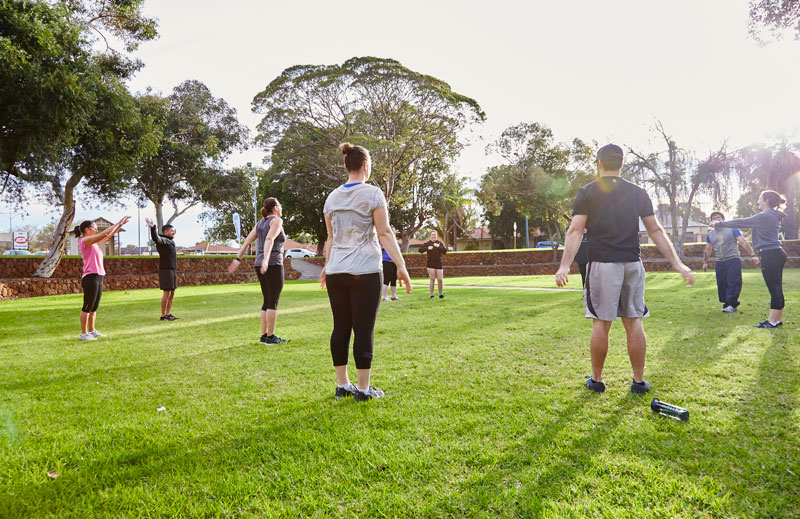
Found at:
(672, 411)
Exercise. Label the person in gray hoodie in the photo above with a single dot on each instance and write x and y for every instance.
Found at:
(766, 225)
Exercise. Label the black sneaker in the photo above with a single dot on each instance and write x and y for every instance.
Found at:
(274, 339)
(598, 386)
(171, 317)
(431, 297)
(640, 389)
(264, 339)
(164, 318)
(441, 296)
(767, 324)
(372, 392)
(348, 390)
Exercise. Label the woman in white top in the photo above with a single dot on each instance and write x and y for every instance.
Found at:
(356, 218)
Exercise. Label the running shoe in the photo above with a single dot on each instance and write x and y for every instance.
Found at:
(273, 340)
(87, 337)
(386, 299)
(640, 389)
(95, 333)
(729, 309)
(264, 339)
(171, 317)
(395, 299)
(431, 297)
(372, 392)
(598, 386)
(164, 318)
(767, 324)
(441, 296)
(348, 390)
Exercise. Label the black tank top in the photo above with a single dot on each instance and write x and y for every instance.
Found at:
(276, 254)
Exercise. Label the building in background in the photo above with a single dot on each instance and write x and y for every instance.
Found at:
(110, 247)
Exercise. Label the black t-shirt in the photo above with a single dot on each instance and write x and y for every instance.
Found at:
(167, 255)
(434, 260)
(613, 206)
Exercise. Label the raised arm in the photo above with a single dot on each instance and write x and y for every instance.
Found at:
(751, 222)
(153, 233)
(108, 233)
(380, 217)
(656, 233)
(571, 245)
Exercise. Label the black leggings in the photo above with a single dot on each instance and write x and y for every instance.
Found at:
(271, 286)
(389, 273)
(92, 290)
(354, 302)
(772, 262)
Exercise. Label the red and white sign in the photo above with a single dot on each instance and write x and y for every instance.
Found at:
(20, 240)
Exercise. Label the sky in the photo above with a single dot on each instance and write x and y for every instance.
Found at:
(600, 71)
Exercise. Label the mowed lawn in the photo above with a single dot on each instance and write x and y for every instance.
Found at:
(485, 413)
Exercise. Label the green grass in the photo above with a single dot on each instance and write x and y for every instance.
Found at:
(484, 416)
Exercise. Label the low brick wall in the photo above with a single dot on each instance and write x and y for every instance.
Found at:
(526, 262)
(121, 274)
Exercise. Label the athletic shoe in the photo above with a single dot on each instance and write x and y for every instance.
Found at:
(386, 299)
(441, 296)
(87, 337)
(640, 389)
(431, 297)
(729, 309)
(171, 317)
(264, 339)
(767, 324)
(395, 299)
(372, 392)
(164, 318)
(598, 386)
(273, 340)
(95, 333)
(348, 390)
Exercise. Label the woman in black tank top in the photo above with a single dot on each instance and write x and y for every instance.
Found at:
(269, 236)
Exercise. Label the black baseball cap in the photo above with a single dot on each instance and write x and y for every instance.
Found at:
(715, 213)
(609, 151)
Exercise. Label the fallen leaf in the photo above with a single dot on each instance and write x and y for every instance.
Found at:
(53, 474)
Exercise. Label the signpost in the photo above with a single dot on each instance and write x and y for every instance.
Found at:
(20, 240)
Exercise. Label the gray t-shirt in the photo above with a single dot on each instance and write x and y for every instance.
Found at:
(724, 243)
(355, 248)
(276, 254)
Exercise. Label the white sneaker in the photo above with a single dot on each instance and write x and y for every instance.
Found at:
(385, 299)
(87, 337)
(95, 333)
(729, 309)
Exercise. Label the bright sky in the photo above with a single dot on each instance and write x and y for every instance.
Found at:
(595, 70)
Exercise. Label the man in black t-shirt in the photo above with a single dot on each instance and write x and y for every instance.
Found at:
(167, 266)
(610, 208)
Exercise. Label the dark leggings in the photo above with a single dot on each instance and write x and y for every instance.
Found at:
(92, 290)
(772, 262)
(354, 302)
(271, 286)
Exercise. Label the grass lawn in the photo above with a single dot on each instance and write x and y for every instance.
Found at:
(485, 414)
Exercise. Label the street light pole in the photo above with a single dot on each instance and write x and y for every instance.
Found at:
(527, 234)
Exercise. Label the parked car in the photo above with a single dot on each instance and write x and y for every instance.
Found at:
(299, 253)
(13, 252)
(548, 245)
(41, 253)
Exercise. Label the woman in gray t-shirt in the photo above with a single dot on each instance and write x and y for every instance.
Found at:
(356, 218)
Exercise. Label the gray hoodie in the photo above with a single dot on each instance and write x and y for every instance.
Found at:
(766, 225)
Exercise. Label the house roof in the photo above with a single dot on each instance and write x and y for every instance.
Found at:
(480, 233)
(212, 248)
(293, 244)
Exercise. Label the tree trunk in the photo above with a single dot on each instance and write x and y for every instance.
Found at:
(53, 258)
(790, 222)
(405, 238)
(159, 214)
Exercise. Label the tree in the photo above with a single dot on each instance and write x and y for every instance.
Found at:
(676, 174)
(771, 167)
(409, 121)
(118, 135)
(539, 179)
(49, 74)
(454, 210)
(199, 132)
(773, 17)
(236, 196)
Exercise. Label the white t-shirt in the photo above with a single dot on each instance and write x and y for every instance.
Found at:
(355, 247)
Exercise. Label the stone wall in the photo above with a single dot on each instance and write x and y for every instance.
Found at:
(121, 274)
(540, 261)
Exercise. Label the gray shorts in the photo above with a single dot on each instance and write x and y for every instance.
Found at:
(615, 290)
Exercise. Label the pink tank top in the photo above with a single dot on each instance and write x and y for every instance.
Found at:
(92, 259)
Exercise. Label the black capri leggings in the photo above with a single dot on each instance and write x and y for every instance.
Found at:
(772, 262)
(354, 302)
(271, 286)
(389, 273)
(92, 290)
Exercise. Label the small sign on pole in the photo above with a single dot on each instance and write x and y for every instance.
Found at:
(237, 224)
(20, 240)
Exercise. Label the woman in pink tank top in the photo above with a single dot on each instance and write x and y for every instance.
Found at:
(93, 272)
